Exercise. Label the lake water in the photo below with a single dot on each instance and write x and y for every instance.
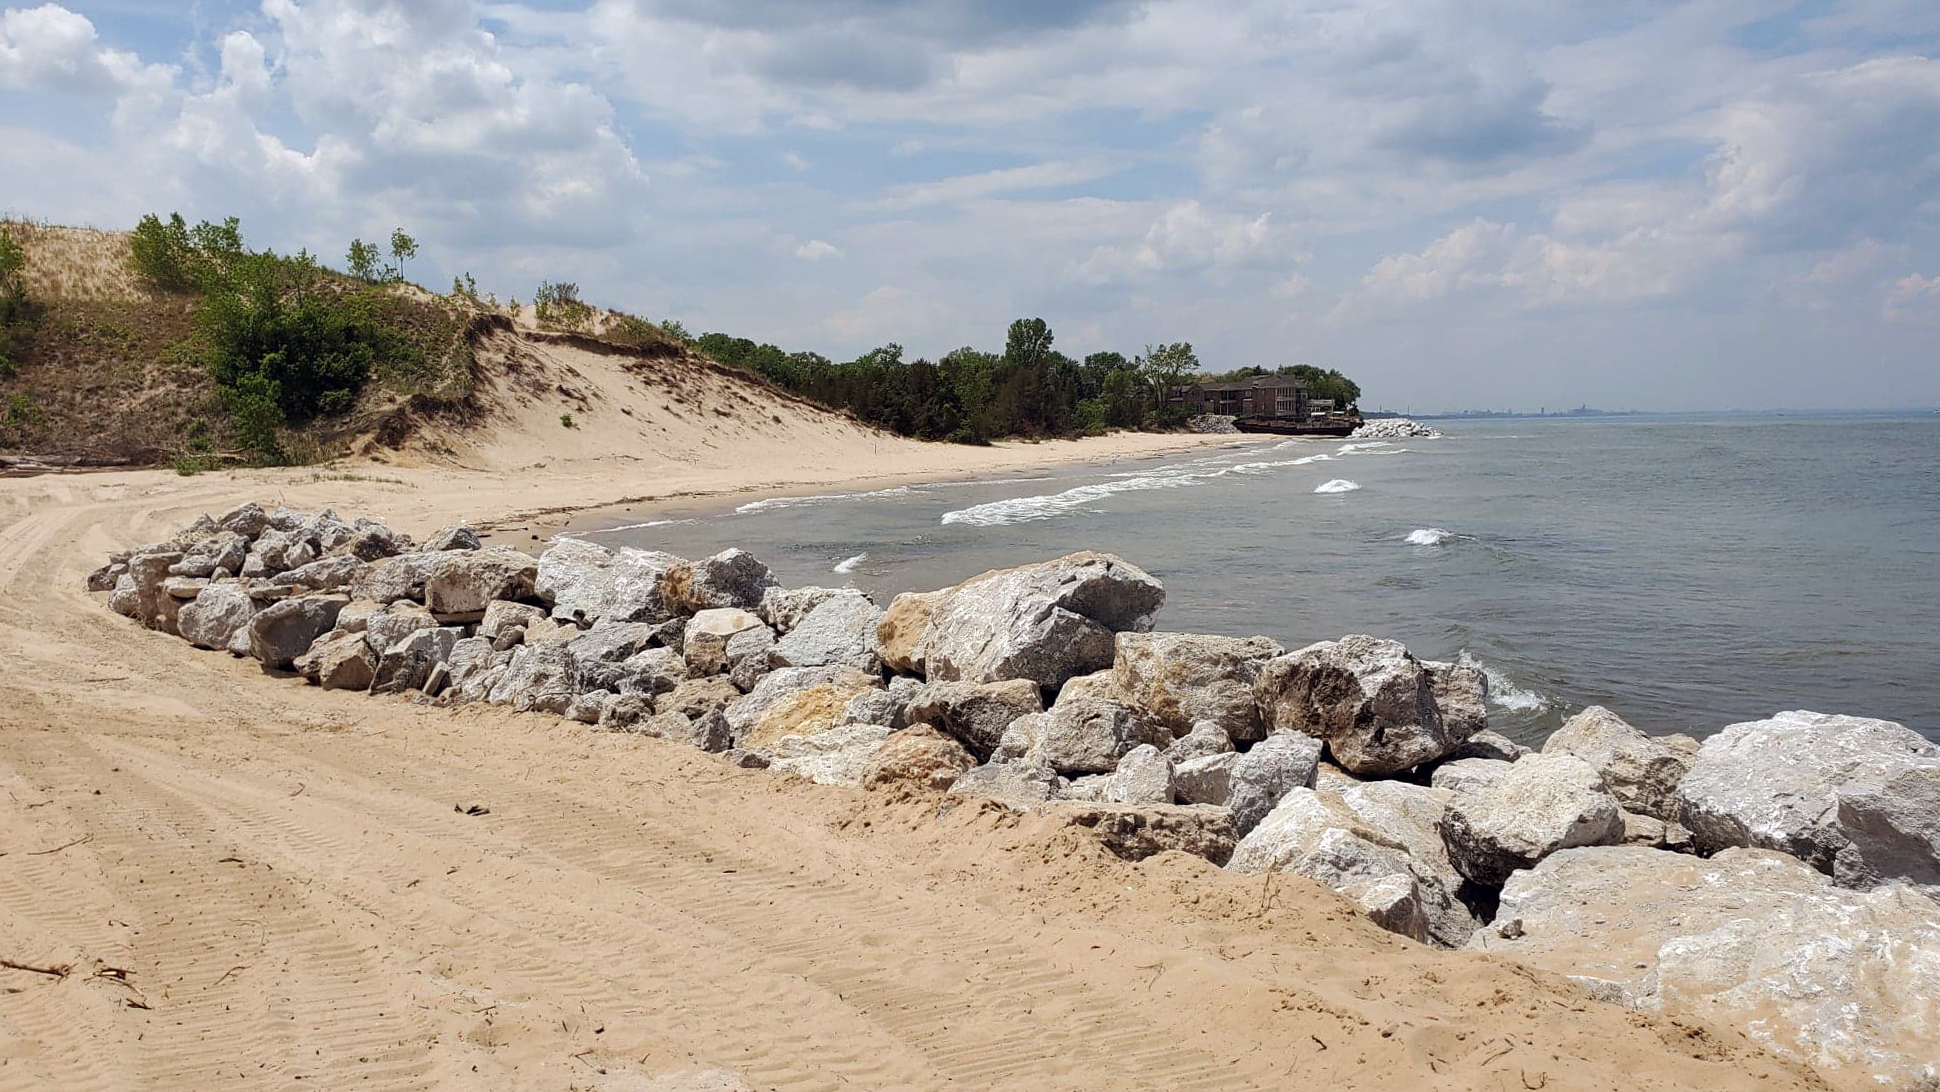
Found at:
(1686, 572)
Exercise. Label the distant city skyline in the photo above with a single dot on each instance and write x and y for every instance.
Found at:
(1655, 206)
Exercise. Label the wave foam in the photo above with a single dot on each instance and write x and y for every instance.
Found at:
(630, 527)
(1428, 536)
(1338, 485)
(1503, 690)
(773, 503)
(1052, 505)
(849, 565)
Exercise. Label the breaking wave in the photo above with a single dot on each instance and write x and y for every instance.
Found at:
(1052, 505)
(1503, 690)
(1429, 536)
(849, 565)
(629, 527)
(774, 503)
(1337, 485)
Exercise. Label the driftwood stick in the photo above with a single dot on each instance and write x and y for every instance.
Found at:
(51, 972)
(58, 848)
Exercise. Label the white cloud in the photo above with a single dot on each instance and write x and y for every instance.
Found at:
(816, 250)
(1914, 297)
(50, 48)
(1037, 176)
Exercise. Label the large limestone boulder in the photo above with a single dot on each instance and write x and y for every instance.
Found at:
(1015, 784)
(467, 581)
(342, 662)
(706, 637)
(1143, 776)
(921, 757)
(602, 652)
(539, 679)
(839, 631)
(503, 616)
(1846, 981)
(784, 608)
(902, 634)
(148, 573)
(585, 582)
(473, 669)
(400, 577)
(1544, 803)
(1181, 679)
(1207, 779)
(1855, 798)
(219, 610)
(407, 665)
(746, 656)
(975, 713)
(1373, 703)
(326, 574)
(247, 519)
(1313, 834)
(1467, 774)
(386, 627)
(1137, 831)
(650, 672)
(1640, 772)
(836, 755)
(1411, 815)
(202, 556)
(1045, 622)
(1081, 736)
(731, 578)
(697, 698)
(1264, 775)
(798, 701)
(284, 630)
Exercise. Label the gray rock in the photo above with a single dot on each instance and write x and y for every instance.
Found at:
(341, 662)
(840, 631)
(539, 678)
(1263, 775)
(1461, 696)
(327, 532)
(283, 518)
(731, 578)
(1098, 684)
(794, 701)
(1180, 679)
(1491, 745)
(1639, 772)
(784, 608)
(408, 664)
(452, 538)
(1373, 703)
(385, 628)
(184, 587)
(1411, 816)
(502, 615)
(104, 578)
(696, 698)
(247, 520)
(1855, 798)
(975, 713)
(745, 759)
(1646, 830)
(1205, 780)
(1137, 831)
(356, 615)
(1542, 804)
(219, 610)
(284, 630)
(610, 642)
(468, 663)
(1045, 622)
(833, 756)
(654, 671)
(626, 712)
(394, 578)
(888, 707)
(586, 708)
(1084, 735)
(1143, 776)
(1013, 783)
(218, 550)
(464, 581)
(125, 600)
(585, 582)
(1843, 981)
(149, 574)
(746, 655)
(1468, 774)
(1205, 739)
(371, 542)
(1314, 834)
(921, 757)
(706, 637)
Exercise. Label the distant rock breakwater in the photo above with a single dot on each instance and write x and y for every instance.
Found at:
(1781, 875)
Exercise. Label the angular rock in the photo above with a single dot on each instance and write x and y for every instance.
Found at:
(587, 583)
(975, 713)
(219, 550)
(706, 637)
(902, 634)
(1083, 735)
(1468, 774)
(921, 757)
(832, 756)
(539, 678)
(339, 663)
(1205, 780)
(148, 574)
(840, 631)
(1263, 775)
(463, 581)
(394, 578)
(372, 542)
(408, 664)
(784, 608)
(1045, 622)
(1135, 832)
(1462, 697)
(1411, 815)
(470, 659)
(696, 698)
(1491, 745)
(1373, 703)
(247, 520)
(889, 706)
(356, 616)
(1180, 679)
(219, 610)
(104, 578)
(1542, 804)
(731, 578)
(794, 701)
(1313, 834)
(1638, 771)
(1205, 739)
(1855, 798)
(626, 712)
(1645, 830)
(610, 642)
(385, 628)
(502, 615)
(1143, 776)
(654, 671)
(452, 538)
(746, 656)
(586, 708)
(1844, 981)
(1098, 684)
(284, 630)
(1013, 783)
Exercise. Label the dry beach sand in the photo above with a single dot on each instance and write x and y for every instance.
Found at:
(262, 885)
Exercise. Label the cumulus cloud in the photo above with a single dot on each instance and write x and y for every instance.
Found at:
(816, 250)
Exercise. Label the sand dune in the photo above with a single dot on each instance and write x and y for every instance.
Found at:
(282, 876)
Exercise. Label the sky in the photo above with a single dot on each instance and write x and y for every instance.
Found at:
(1641, 204)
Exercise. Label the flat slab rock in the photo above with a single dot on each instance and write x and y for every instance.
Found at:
(1844, 980)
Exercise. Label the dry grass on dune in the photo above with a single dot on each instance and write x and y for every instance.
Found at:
(75, 263)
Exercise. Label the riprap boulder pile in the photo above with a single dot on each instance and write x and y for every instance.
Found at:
(1781, 875)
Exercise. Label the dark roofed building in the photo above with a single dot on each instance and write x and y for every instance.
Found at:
(1260, 396)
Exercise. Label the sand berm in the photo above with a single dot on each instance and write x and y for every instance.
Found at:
(255, 884)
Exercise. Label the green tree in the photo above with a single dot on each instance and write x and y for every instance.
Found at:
(403, 247)
(1163, 368)
(1029, 342)
(364, 260)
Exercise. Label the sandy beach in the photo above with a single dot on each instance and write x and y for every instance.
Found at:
(259, 884)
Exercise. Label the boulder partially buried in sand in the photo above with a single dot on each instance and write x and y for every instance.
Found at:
(1380, 710)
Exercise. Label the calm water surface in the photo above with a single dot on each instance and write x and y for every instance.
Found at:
(1686, 572)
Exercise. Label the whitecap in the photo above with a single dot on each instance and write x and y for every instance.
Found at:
(772, 503)
(1337, 485)
(1429, 536)
(1503, 691)
(849, 565)
(630, 527)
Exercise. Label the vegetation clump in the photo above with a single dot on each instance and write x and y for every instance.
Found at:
(17, 311)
